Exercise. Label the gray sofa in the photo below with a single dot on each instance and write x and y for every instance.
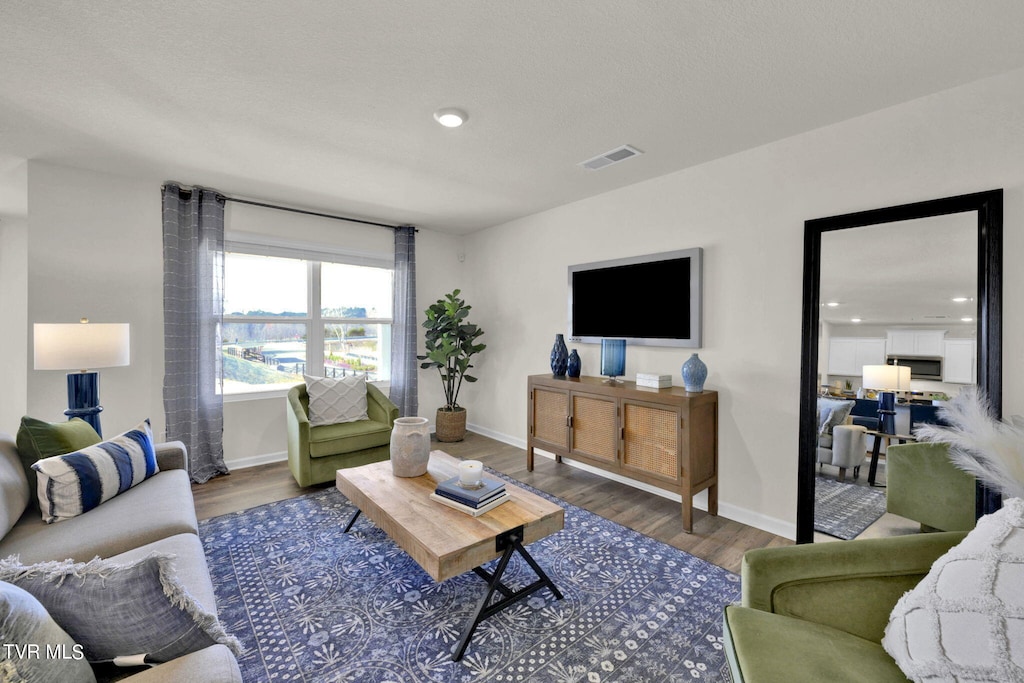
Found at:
(157, 515)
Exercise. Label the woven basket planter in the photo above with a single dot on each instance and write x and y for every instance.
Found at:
(451, 425)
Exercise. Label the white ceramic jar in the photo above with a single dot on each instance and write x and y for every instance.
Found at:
(410, 446)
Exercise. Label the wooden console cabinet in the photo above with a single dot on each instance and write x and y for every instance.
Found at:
(664, 437)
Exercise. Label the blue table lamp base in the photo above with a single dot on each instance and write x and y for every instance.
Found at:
(84, 398)
(887, 412)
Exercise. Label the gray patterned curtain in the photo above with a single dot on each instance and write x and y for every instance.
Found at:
(404, 383)
(193, 312)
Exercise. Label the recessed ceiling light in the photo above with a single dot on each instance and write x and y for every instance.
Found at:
(854, 320)
(451, 117)
(967, 320)
(832, 304)
(960, 299)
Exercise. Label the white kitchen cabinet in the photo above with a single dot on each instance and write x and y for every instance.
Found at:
(915, 343)
(849, 355)
(959, 361)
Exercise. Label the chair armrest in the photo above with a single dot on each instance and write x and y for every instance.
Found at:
(171, 455)
(296, 408)
(925, 486)
(379, 407)
(849, 585)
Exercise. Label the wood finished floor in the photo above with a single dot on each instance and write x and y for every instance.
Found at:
(716, 539)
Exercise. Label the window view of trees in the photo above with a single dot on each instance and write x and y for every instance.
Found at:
(267, 332)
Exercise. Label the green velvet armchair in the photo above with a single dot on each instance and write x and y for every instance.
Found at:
(315, 453)
(818, 612)
(924, 485)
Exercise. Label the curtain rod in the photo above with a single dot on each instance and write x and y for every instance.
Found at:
(314, 213)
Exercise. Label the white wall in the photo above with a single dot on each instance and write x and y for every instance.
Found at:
(747, 211)
(14, 314)
(95, 250)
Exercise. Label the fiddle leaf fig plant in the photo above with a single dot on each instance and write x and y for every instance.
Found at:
(450, 344)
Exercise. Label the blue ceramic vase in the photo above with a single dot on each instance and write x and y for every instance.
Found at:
(574, 364)
(559, 357)
(694, 373)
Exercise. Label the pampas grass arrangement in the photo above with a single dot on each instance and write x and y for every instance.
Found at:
(991, 450)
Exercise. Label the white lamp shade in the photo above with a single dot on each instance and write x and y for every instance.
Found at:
(886, 377)
(903, 384)
(80, 346)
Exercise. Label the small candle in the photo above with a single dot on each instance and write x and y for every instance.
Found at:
(470, 471)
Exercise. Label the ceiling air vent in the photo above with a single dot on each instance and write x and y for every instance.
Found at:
(608, 158)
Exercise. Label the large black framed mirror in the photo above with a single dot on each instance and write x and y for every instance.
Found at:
(988, 209)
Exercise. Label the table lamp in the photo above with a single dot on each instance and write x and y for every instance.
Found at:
(81, 346)
(886, 379)
(613, 358)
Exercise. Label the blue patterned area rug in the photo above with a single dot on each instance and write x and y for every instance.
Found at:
(310, 603)
(845, 510)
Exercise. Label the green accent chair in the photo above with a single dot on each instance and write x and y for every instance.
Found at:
(924, 485)
(316, 453)
(818, 612)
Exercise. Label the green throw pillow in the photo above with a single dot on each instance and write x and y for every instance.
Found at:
(38, 439)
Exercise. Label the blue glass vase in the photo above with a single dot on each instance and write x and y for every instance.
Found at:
(694, 373)
(559, 357)
(574, 364)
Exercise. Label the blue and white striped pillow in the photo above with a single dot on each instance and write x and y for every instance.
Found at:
(74, 483)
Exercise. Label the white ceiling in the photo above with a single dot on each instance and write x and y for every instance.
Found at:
(328, 105)
(903, 273)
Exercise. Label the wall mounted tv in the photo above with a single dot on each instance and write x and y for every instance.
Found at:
(652, 300)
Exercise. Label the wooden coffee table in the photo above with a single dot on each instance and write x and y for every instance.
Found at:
(446, 542)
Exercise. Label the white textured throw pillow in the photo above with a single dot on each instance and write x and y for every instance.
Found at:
(965, 620)
(336, 400)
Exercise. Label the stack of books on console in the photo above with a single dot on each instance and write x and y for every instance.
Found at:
(473, 501)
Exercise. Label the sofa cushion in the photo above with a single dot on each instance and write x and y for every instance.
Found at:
(14, 491)
(159, 507)
(347, 437)
(38, 439)
(116, 609)
(965, 620)
(36, 649)
(214, 663)
(832, 413)
(189, 565)
(764, 647)
(74, 483)
(336, 400)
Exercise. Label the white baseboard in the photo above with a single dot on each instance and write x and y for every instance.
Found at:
(700, 501)
(497, 436)
(254, 460)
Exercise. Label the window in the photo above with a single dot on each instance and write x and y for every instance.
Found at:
(278, 309)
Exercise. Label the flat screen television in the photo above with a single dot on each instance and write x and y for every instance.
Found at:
(652, 300)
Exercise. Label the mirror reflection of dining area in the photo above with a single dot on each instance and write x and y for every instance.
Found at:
(898, 321)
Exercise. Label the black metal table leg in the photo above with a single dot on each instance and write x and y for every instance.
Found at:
(874, 460)
(509, 542)
(351, 521)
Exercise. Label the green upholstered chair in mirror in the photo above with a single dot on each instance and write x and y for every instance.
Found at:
(315, 453)
(924, 485)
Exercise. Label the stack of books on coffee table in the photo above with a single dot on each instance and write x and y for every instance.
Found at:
(489, 494)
